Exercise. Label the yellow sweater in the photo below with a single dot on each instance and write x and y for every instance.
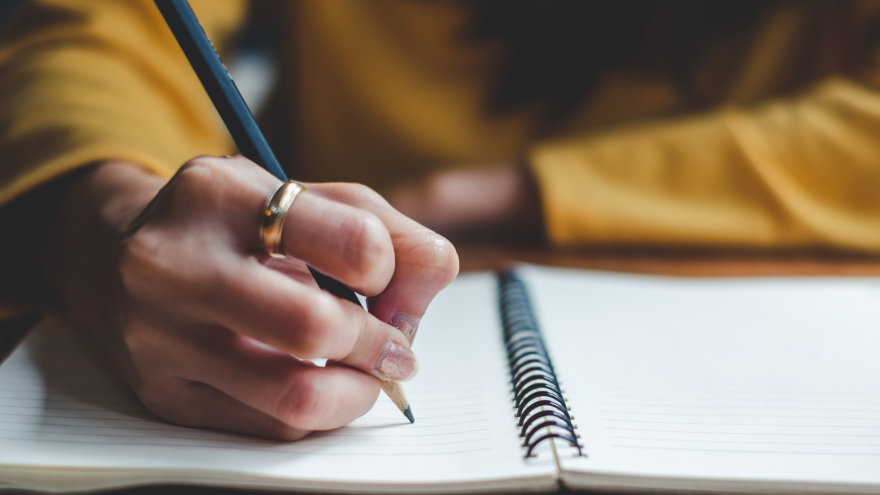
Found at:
(383, 91)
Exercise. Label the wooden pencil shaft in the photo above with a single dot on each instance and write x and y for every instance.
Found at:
(395, 392)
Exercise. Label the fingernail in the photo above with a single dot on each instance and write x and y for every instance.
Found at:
(396, 362)
(406, 324)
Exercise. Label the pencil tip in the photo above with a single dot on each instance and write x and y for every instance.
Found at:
(409, 415)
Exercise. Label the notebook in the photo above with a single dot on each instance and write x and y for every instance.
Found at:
(641, 383)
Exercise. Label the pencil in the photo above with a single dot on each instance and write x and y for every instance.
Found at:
(245, 132)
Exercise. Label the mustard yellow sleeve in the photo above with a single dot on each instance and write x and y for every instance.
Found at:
(83, 81)
(89, 80)
(795, 172)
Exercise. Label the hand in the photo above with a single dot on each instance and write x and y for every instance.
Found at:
(210, 331)
(486, 203)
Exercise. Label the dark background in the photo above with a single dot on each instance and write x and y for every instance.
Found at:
(7, 7)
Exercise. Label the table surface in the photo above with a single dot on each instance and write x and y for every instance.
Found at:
(657, 261)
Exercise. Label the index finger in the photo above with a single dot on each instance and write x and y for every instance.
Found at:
(425, 262)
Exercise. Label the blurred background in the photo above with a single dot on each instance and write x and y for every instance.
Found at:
(6, 9)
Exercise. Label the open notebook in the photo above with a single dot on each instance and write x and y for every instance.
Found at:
(754, 384)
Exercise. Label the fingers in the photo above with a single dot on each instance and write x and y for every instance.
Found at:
(350, 233)
(425, 262)
(270, 307)
(201, 406)
(345, 242)
(423, 269)
(490, 202)
(248, 386)
(298, 395)
(234, 289)
(286, 406)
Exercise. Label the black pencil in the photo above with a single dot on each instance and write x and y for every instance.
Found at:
(244, 130)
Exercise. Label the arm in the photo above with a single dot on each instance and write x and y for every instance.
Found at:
(800, 171)
(794, 172)
(86, 81)
(83, 82)
(169, 275)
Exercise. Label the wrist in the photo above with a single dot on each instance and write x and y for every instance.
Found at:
(90, 222)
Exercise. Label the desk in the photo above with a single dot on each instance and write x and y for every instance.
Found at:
(665, 262)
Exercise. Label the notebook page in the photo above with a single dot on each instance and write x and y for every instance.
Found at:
(59, 408)
(771, 382)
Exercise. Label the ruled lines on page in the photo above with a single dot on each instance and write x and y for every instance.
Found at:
(59, 407)
(452, 420)
(719, 379)
(698, 417)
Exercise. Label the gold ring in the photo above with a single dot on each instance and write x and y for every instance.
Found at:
(272, 221)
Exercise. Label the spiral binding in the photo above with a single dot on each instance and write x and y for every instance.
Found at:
(540, 406)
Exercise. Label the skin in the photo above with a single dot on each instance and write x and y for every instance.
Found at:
(495, 202)
(172, 280)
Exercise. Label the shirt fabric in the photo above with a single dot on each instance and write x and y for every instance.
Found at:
(788, 154)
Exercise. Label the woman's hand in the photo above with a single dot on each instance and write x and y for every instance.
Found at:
(208, 329)
(499, 202)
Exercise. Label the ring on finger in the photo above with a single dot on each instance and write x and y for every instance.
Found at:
(274, 215)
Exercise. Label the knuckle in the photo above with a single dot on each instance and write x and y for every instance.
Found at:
(193, 173)
(302, 403)
(360, 193)
(310, 340)
(367, 248)
(437, 255)
(197, 166)
(198, 181)
(354, 194)
(137, 260)
(151, 269)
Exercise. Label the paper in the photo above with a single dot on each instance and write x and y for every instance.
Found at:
(60, 408)
(764, 384)
(744, 379)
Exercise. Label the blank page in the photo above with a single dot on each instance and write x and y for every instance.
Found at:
(717, 383)
(61, 408)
